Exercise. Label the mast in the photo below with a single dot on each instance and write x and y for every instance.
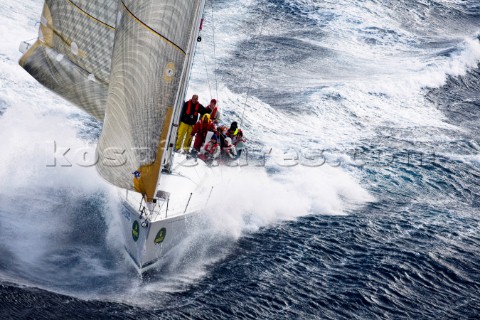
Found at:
(181, 93)
(151, 58)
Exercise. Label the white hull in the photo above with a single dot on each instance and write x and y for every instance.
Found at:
(144, 252)
(152, 235)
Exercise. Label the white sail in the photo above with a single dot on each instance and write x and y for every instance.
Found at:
(72, 55)
(152, 45)
(125, 62)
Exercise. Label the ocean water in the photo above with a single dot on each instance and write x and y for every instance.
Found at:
(367, 114)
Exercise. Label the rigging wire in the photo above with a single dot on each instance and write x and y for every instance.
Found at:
(214, 52)
(206, 71)
(253, 66)
(215, 64)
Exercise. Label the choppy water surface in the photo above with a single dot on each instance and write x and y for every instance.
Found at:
(387, 94)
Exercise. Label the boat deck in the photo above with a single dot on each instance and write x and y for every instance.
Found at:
(185, 190)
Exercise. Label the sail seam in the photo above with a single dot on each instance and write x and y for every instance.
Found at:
(68, 43)
(152, 30)
(90, 16)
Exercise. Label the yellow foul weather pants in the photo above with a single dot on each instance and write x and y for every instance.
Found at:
(184, 131)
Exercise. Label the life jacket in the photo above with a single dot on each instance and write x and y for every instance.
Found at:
(205, 127)
(232, 132)
(189, 108)
(237, 138)
(214, 113)
(211, 148)
(202, 128)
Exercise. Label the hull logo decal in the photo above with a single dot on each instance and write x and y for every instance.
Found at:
(160, 236)
(135, 230)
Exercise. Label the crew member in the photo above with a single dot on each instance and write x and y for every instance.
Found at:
(213, 110)
(189, 116)
(200, 131)
(211, 151)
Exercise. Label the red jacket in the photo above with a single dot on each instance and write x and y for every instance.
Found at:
(191, 111)
(213, 112)
(200, 130)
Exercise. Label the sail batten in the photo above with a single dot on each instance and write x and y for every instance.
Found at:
(91, 16)
(152, 30)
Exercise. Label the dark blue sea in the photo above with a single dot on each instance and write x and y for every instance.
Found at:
(366, 115)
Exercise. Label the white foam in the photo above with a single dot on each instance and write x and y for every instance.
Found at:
(248, 198)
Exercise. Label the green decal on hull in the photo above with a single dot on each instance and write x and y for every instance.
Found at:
(135, 230)
(160, 236)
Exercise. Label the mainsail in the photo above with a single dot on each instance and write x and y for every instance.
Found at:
(72, 55)
(127, 63)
